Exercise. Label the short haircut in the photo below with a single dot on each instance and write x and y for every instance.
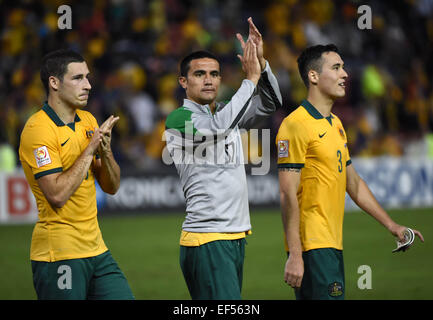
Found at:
(311, 59)
(186, 62)
(56, 64)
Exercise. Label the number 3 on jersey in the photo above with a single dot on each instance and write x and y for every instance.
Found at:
(340, 164)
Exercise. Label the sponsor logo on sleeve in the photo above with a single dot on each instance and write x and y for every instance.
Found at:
(42, 156)
(283, 148)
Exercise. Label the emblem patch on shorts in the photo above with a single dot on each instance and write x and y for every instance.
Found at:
(335, 289)
(283, 148)
(42, 156)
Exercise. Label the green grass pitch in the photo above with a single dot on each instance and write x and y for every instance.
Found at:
(147, 250)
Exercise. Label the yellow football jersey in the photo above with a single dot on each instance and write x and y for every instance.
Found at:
(318, 145)
(48, 146)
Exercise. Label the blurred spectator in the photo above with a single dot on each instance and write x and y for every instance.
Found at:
(429, 141)
(133, 48)
(8, 157)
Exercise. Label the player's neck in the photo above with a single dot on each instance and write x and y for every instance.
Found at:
(321, 103)
(212, 105)
(63, 111)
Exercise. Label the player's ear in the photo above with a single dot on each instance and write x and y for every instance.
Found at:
(313, 77)
(183, 82)
(53, 83)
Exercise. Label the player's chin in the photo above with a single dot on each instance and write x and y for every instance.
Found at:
(209, 95)
(81, 102)
(340, 93)
(208, 98)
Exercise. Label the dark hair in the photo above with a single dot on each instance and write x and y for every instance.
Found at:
(56, 64)
(311, 59)
(185, 64)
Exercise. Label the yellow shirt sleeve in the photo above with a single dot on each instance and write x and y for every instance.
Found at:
(348, 161)
(40, 150)
(346, 147)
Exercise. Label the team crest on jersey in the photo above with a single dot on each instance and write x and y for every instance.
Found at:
(89, 133)
(283, 148)
(335, 289)
(42, 156)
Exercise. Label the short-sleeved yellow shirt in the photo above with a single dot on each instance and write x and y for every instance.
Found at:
(318, 145)
(47, 146)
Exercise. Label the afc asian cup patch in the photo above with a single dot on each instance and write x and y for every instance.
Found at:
(42, 156)
(283, 148)
(335, 289)
(89, 133)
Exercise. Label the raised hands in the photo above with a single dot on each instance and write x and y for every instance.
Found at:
(250, 63)
(256, 37)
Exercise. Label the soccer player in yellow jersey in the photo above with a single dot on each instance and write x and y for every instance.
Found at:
(62, 151)
(315, 172)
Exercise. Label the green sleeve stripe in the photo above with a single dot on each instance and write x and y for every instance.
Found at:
(348, 163)
(44, 173)
(176, 120)
(291, 165)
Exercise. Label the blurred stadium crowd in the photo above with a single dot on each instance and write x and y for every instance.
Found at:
(133, 49)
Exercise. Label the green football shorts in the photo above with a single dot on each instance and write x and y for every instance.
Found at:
(323, 275)
(93, 278)
(214, 271)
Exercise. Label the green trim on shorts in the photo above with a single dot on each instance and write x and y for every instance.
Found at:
(323, 275)
(214, 271)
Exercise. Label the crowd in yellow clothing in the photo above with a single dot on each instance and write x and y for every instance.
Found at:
(133, 49)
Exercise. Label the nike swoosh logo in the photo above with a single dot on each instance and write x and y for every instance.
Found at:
(321, 135)
(62, 144)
